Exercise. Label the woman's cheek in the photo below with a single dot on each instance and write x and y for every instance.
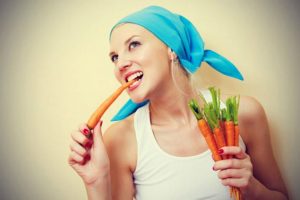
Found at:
(117, 75)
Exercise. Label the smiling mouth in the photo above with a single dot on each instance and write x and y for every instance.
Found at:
(137, 76)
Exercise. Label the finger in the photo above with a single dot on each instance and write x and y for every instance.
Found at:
(229, 173)
(75, 158)
(238, 152)
(227, 164)
(235, 182)
(85, 130)
(86, 158)
(74, 146)
(79, 138)
(97, 136)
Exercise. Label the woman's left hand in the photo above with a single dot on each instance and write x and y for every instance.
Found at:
(236, 171)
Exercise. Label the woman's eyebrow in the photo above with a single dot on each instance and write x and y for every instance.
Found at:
(125, 43)
(130, 38)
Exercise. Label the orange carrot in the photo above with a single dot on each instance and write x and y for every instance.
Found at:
(95, 117)
(205, 130)
(209, 138)
(220, 139)
(229, 130)
(219, 136)
(232, 134)
(236, 135)
(236, 103)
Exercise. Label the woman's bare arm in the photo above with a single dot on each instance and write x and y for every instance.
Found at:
(120, 143)
(267, 182)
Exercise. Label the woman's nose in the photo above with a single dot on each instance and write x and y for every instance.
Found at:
(123, 64)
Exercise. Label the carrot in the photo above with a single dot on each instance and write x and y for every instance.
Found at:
(213, 114)
(209, 138)
(220, 139)
(219, 136)
(95, 117)
(236, 103)
(229, 124)
(236, 135)
(232, 134)
(229, 129)
(205, 130)
(222, 120)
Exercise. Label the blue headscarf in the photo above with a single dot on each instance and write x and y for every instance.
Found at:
(181, 36)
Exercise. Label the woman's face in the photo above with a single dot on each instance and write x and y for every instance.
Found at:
(136, 52)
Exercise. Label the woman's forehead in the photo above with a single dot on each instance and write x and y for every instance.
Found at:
(124, 31)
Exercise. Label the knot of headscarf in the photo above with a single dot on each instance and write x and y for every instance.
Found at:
(179, 34)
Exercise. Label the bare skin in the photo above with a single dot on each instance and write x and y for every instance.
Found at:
(114, 158)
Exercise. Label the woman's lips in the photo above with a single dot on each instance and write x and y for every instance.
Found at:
(135, 85)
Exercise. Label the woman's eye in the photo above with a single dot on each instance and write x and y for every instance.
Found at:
(114, 58)
(133, 44)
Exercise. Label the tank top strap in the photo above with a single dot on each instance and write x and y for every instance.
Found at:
(140, 125)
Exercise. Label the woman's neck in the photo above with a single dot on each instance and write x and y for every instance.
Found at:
(172, 107)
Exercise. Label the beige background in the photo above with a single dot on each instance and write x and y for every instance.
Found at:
(55, 71)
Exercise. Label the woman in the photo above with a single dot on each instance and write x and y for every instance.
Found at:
(156, 151)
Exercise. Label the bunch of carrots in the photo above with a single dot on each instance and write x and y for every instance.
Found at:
(219, 126)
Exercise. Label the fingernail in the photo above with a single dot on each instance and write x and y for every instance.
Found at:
(89, 144)
(85, 131)
(220, 151)
(87, 157)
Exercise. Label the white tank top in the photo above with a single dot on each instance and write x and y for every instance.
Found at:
(162, 176)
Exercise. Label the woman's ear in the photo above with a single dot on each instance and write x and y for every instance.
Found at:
(172, 55)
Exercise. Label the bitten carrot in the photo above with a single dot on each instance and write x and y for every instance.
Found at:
(95, 117)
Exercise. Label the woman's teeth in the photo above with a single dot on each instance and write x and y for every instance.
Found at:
(134, 76)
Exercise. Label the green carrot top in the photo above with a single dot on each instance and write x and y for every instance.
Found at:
(232, 106)
(193, 104)
(212, 111)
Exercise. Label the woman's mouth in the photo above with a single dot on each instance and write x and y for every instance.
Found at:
(138, 76)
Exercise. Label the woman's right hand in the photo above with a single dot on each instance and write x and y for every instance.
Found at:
(88, 156)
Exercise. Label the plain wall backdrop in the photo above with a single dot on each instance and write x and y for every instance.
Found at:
(55, 71)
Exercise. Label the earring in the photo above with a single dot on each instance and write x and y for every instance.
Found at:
(174, 57)
(174, 63)
(175, 60)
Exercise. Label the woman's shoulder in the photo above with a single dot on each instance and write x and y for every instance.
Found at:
(120, 132)
(250, 109)
(120, 141)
